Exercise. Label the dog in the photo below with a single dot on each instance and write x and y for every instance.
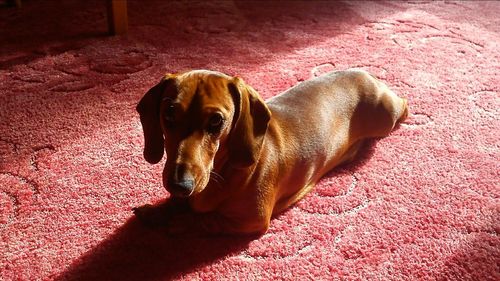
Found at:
(236, 161)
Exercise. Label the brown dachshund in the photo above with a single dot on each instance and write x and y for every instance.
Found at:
(236, 160)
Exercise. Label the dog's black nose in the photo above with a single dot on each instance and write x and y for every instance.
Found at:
(182, 188)
(181, 182)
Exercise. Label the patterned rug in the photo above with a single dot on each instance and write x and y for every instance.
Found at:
(421, 204)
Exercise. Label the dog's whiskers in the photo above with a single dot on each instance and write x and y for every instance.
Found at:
(216, 178)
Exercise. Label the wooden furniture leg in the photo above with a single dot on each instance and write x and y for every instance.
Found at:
(117, 17)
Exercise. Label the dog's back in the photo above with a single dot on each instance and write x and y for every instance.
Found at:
(324, 120)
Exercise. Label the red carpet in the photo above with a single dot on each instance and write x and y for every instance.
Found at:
(421, 204)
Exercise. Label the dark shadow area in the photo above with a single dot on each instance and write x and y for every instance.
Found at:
(364, 155)
(135, 252)
(51, 27)
(56, 26)
(246, 33)
(27, 53)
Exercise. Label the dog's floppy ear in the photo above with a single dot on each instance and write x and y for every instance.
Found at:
(149, 111)
(250, 122)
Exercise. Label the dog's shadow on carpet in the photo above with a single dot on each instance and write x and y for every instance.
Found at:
(136, 252)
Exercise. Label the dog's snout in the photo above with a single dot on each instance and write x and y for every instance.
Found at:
(181, 183)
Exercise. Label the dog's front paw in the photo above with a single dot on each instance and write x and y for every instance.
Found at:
(153, 216)
(182, 225)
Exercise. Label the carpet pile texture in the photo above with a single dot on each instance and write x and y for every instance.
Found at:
(421, 204)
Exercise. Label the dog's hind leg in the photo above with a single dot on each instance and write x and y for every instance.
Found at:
(351, 153)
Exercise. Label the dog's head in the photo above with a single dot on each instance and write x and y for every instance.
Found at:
(200, 118)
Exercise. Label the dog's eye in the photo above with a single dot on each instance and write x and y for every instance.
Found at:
(215, 123)
(169, 116)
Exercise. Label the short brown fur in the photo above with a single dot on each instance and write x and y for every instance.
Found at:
(266, 155)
